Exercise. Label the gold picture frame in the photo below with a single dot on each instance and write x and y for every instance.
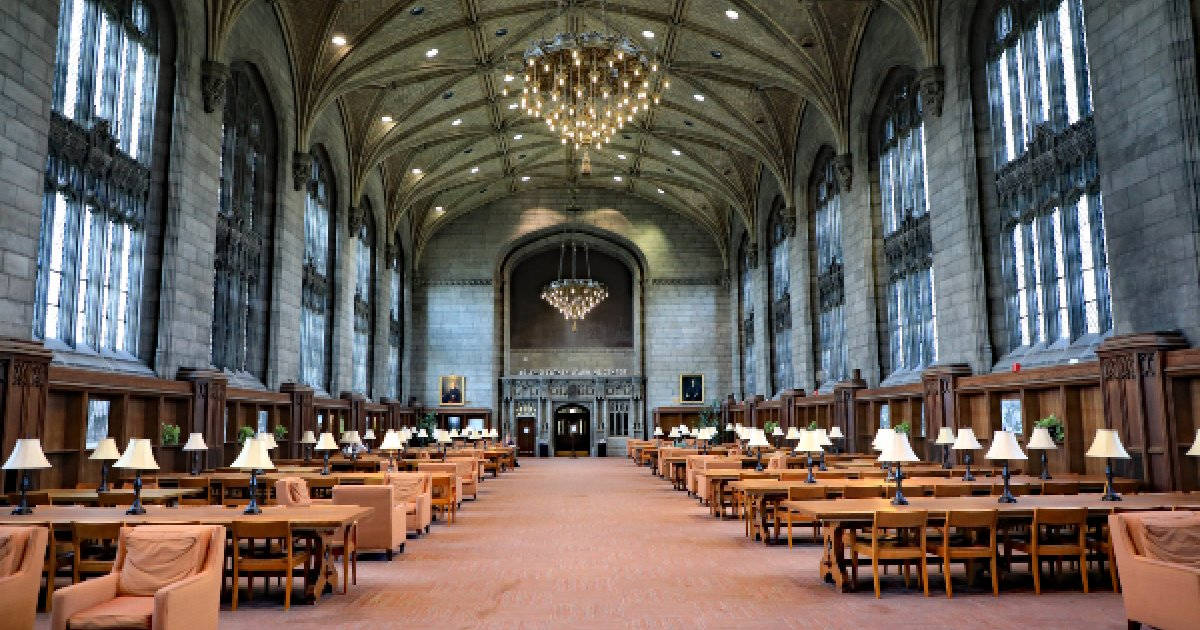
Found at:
(691, 389)
(452, 390)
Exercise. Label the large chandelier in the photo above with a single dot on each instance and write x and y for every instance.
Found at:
(587, 86)
(574, 297)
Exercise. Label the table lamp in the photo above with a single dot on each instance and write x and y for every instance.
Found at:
(106, 451)
(897, 451)
(777, 433)
(254, 458)
(823, 440)
(1195, 450)
(1004, 446)
(809, 443)
(367, 436)
(835, 433)
(351, 438)
(702, 438)
(26, 455)
(966, 442)
(326, 444)
(307, 440)
(945, 438)
(758, 440)
(1041, 441)
(267, 438)
(444, 438)
(138, 456)
(391, 443)
(793, 434)
(883, 437)
(658, 432)
(1107, 444)
(195, 444)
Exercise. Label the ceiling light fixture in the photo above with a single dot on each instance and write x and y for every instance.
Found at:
(675, 152)
(698, 97)
(731, 14)
(618, 178)
(416, 171)
(439, 209)
(508, 78)
(573, 296)
(524, 178)
(620, 156)
(431, 53)
(518, 136)
(457, 122)
(513, 105)
(338, 40)
(474, 169)
(661, 191)
(648, 34)
(386, 119)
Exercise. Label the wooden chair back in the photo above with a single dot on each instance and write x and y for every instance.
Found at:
(195, 482)
(321, 488)
(115, 499)
(951, 490)
(95, 548)
(235, 492)
(889, 490)
(862, 492)
(1060, 487)
(806, 493)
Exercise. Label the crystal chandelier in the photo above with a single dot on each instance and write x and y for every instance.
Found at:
(574, 297)
(587, 86)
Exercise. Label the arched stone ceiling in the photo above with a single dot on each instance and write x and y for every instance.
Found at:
(757, 74)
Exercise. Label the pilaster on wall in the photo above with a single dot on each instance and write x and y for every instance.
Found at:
(208, 411)
(24, 386)
(357, 419)
(939, 384)
(303, 417)
(1136, 403)
(844, 414)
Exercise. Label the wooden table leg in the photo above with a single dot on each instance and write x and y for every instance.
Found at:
(326, 574)
(832, 565)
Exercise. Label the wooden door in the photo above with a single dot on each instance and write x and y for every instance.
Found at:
(527, 437)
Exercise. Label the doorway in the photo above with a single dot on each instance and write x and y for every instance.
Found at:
(527, 437)
(572, 431)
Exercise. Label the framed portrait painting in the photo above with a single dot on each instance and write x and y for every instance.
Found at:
(691, 388)
(453, 389)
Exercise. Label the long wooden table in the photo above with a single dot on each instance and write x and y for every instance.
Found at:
(322, 521)
(150, 496)
(837, 516)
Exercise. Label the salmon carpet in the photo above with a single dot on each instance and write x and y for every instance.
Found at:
(600, 543)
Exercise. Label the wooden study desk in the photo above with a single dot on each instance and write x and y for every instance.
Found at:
(837, 516)
(150, 496)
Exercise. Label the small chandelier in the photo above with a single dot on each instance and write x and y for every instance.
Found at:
(574, 297)
(587, 86)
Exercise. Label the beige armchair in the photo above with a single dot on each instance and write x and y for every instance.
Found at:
(165, 577)
(1150, 549)
(446, 467)
(470, 476)
(416, 491)
(384, 529)
(22, 553)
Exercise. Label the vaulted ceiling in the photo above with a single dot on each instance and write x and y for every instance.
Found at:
(444, 136)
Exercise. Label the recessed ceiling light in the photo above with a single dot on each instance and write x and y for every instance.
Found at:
(661, 191)
(431, 53)
(716, 54)
(620, 156)
(617, 178)
(512, 105)
(418, 10)
(524, 178)
(648, 34)
(456, 122)
(386, 119)
(518, 136)
(675, 152)
(501, 32)
(416, 171)
(508, 78)
(731, 14)
(698, 97)
(338, 40)
(474, 169)
(440, 209)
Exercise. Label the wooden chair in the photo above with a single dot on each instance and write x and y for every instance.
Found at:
(951, 490)
(1055, 533)
(1125, 486)
(95, 548)
(235, 492)
(871, 474)
(895, 538)
(115, 499)
(889, 491)
(195, 482)
(832, 474)
(862, 492)
(966, 536)
(802, 493)
(85, 485)
(321, 488)
(59, 550)
(276, 556)
(1016, 490)
(1060, 487)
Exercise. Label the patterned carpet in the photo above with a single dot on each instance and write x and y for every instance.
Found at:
(600, 543)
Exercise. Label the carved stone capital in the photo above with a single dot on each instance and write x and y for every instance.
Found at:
(301, 169)
(932, 87)
(752, 256)
(356, 216)
(213, 75)
(788, 219)
(843, 168)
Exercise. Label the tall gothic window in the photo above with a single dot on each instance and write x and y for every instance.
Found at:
(92, 243)
(364, 297)
(831, 347)
(1054, 263)
(395, 316)
(316, 317)
(780, 228)
(911, 326)
(244, 227)
(746, 264)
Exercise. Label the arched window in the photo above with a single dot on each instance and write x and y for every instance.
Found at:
(747, 261)
(1054, 261)
(831, 350)
(395, 316)
(98, 176)
(364, 296)
(910, 333)
(316, 317)
(780, 229)
(245, 220)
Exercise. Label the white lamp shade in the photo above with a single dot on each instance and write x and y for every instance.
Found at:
(391, 442)
(945, 436)
(369, 434)
(836, 433)
(253, 456)
(793, 433)
(1041, 439)
(351, 437)
(811, 441)
(267, 438)
(898, 449)
(138, 455)
(823, 437)
(1107, 444)
(1004, 446)
(492, 433)
(107, 450)
(758, 438)
(422, 434)
(1195, 450)
(326, 443)
(778, 431)
(883, 437)
(658, 431)
(966, 441)
(728, 426)
(405, 435)
(454, 433)
(308, 438)
(444, 437)
(674, 432)
(195, 442)
(26, 454)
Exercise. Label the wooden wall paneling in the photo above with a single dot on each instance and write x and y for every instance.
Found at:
(1091, 417)
(843, 412)
(301, 417)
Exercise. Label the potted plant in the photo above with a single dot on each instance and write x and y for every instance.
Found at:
(244, 434)
(1054, 426)
(280, 432)
(904, 427)
(428, 422)
(170, 434)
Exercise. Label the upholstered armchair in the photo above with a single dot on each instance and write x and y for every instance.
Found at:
(1151, 549)
(446, 467)
(22, 553)
(165, 577)
(470, 476)
(384, 529)
(416, 491)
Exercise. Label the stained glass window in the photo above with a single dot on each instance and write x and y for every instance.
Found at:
(316, 316)
(831, 347)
